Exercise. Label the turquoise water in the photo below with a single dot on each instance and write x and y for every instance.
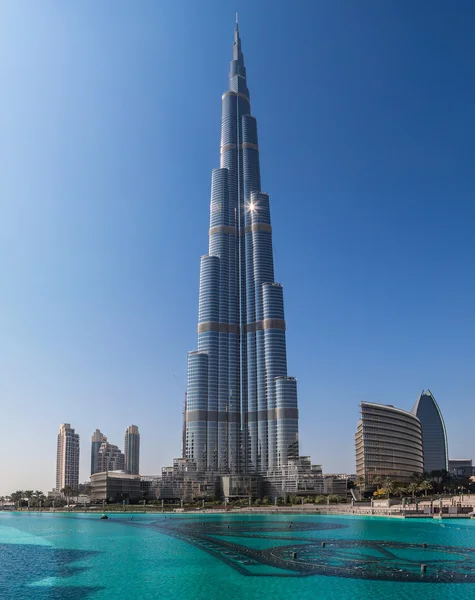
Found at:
(62, 556)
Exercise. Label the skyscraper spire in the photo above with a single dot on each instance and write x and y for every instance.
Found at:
(237, 70)
(241, 410)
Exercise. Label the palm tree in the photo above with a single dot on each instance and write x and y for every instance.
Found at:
(47, 502)
(403, 492)
(28, 494)
(67, 491)
(71, 493)
(417, 477)
(425, 486)
(400, 489)
(17, 497)
(360, 481)
(412, 488)
(39, 497)
(388, 485)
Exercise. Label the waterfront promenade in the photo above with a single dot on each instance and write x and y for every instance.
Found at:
(425, 508)
(449, 507)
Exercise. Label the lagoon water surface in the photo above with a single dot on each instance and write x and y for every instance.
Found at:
(78, 556)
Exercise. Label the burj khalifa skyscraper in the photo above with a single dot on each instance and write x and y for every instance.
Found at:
(241, 413)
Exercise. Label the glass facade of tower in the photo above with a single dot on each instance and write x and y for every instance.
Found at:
(434, 436)
(241, 411)
(132, 450)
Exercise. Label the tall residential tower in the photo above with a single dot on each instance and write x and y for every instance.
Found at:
(96, 442)
(241, 412)
(110, 458)
(132, 450)
(67, 462)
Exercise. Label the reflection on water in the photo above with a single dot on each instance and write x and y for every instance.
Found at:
(24, 565)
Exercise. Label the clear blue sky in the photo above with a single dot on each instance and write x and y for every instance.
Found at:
(110, 124)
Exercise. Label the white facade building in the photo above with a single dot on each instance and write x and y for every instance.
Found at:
(67, 461)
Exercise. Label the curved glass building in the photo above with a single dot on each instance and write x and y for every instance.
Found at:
(388, 444)
(241, 412)
(434, 435)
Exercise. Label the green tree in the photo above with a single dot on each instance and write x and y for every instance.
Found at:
(40, 497)
(425, 486)
(413, 488)
(17, 497)
(388, 487)
(67, 491)
(452, 486)
(28, 494)
(399, 489)
(378, 481)
(360, 483)
(47, 502)
(417, 477)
